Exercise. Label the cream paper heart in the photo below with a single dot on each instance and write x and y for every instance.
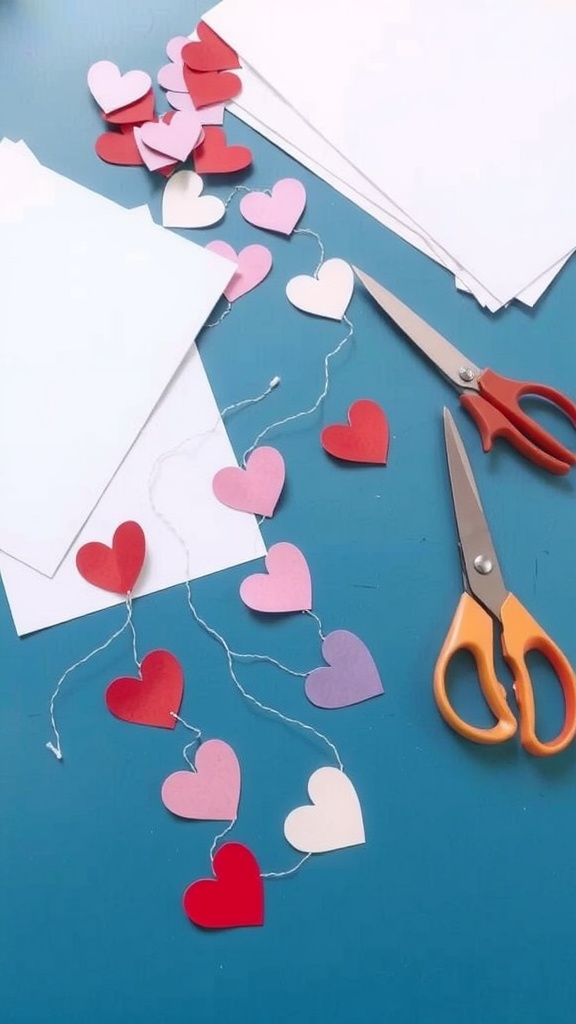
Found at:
(184, 207)
(333, 821)
(328, 294)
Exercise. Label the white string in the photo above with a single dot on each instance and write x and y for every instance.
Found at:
(220, 836)
(131, 624)
(290, 871)
(197, 738)
(242, 188)
(313, 615)
(223, 315)
(313, 234)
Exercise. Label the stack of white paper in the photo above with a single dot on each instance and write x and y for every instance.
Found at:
(450, 122)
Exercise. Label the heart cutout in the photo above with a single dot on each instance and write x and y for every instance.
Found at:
(154, 160)
(211, 53)
(112, 90)
(328, 294)
(184, 207)
(118, 148)
(174, 137)
(171, 76)
(212, 792)
(135, 113)
(174, 48)
(256, 488)
(352, 676)
(208, 87)
(151, 699)
(254, 264)
(214, 156)
(334, 819)
(118, 567)
(235, 898)
(365, 439)
(211, 115)
(286, 587)
(279, 211)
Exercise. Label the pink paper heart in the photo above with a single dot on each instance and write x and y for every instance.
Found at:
(112, 90)
(175, 46)
(254, 489)
(254, 264)
(286, 587)
(176, 138)
(212, 792)
(208, 115)
(154, 161)
(280, 211)
(171, 76)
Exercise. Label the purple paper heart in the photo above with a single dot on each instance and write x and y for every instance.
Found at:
(352, 676)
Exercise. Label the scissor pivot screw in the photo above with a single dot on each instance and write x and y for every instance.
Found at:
(483, 565)
(466, 374)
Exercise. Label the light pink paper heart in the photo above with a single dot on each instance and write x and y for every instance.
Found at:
(171, 76)
(175, 46)
(154, 161)
(254, 264)
(112, 90)
(176, 139)
(286, 588)
(212, 792)
(208, 115)
(254, 489)
(280, 211)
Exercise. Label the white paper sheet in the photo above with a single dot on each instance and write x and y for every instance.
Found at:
(98, 310)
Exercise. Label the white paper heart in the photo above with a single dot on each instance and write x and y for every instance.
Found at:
(328, 294)
(333, 820)
(184, 207)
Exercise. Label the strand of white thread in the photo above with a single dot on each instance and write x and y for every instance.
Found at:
(313, 234)
(318, 622)
(132, 629)
(226, 312)
(242, 188)
(195, 741)
(220, 836)
(290, 871)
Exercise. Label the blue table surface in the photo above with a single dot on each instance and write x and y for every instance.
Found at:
(461, 905)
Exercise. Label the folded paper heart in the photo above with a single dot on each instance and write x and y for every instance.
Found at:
(365, 439)
(333, 821)
(254, 264)
(135, 113)
(235, 898)
(207, 87)
(213, 114)
(184, 207)
(212, 792)
(328, 294)
(176, 137)
(256, 488)
(153, 160)
(153, 699)
(211, 53)
(286, 587)
(213, 156)
(112, 90)
(171, 76)
(279, 211)
(352, 676)
(118, 148)
(115, 568)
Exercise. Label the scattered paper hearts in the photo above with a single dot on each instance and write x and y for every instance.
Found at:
(212, 792)
(366, 439)
(207, 87)
(211, 53)
(118, 567)
(151, 699)
(214, 156)
(286, 587)
(328, 294)
(118, 148)
(255, 489)
(175, 138)
(280, 211)
(235, 898)
(112, 90)
(135, 113)
(333, 821)
(184, 207)
(352, 676)
(254, 264)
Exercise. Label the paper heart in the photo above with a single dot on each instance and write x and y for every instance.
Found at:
(135, 113)
(213, 156)
(254, 489)
(184, 207)
(118, 148)
(280, 211)
(153, 160)
(171, 76)
(151, 699)
(352, 676)
(254, 264)
(333, 820)
(212, 792)
(235, 898)
(328, 294)
(211, 53)
(207, 87)
(175, 138)
(286, 587)
(366, 439)
(208, 115)
(175, 46)
(118, 567)
(112, 90)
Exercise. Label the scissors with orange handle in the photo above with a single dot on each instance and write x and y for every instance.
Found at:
(472, 627)
(491, 399)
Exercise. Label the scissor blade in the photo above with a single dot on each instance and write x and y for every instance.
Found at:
(475, 540)
(438, 349)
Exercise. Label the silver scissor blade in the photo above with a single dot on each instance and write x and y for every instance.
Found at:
(479, 559)
(441, 352)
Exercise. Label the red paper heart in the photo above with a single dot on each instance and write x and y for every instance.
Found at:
(213, 156)
(118, 148)
(211, 53)
(367, 439)
(136, 113)
(116, 568)
(149, 700)
(235, 898)
(207, 87)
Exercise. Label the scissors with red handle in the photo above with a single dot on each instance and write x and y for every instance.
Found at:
(485, 595)
(491, 399)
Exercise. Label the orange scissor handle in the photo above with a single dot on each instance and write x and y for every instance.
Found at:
(520, 634)
(472, 630)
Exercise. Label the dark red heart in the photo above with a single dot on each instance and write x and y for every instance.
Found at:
(116, 568)
(213, 156)
(118, 148)
(235, 898)
(149, 700)
(136, 113)
(211, 53)
(207, 87)
(366, 439)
